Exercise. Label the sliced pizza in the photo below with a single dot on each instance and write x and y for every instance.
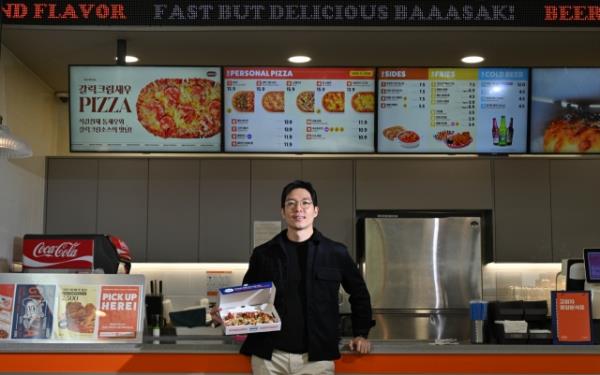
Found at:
(363, 101)
(180, 108)
(274, 101)
(248, 318)
(305, 101)
(333, 101)
(243, 101)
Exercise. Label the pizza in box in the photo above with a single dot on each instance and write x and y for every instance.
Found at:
(248, 317)
(180, 108)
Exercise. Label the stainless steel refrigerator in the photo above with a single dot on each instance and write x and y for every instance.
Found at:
(421, 273)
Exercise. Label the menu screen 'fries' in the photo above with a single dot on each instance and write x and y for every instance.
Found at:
(271, 109)
(446, 110)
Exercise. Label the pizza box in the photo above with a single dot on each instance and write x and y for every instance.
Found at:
(249, 309)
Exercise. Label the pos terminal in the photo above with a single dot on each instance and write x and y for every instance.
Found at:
(591, 259)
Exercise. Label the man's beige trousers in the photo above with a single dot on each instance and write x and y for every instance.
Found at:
(283, 363)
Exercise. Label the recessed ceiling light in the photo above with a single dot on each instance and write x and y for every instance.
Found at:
(299, 59)
(130, 59)
(472, 59)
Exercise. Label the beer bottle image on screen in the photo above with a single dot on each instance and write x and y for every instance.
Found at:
(495, 131)
(502, 131)
(511, 130)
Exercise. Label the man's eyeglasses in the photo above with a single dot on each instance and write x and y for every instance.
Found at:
(289, 204)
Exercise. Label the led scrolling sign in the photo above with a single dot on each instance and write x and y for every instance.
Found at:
(293, 13)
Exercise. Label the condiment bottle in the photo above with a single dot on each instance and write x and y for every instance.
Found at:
(510, 133)
(156, 329)
(502, 131)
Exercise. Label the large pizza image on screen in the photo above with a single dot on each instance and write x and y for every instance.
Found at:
(576, 132)
(180, 108)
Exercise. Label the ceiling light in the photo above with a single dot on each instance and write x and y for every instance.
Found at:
(472, 59)
(11, 146)
(130, 59)
(299, 59)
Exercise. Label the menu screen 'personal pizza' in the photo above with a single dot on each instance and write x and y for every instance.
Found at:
(145, 109)
(447, 110)
(299, 109)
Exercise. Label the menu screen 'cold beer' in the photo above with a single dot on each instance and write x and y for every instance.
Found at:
(145, 109)
(447, 110)
(271, 109)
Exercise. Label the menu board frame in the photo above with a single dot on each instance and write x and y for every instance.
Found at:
(376, 118)
(219, 149)
(535, 138)
(449, 152)
(290, 152)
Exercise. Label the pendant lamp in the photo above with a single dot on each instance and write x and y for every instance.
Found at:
(11, 146)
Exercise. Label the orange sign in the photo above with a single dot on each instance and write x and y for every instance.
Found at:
(571, 318)
(119, 307)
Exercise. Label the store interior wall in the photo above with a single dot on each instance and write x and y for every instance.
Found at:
(29, 108)
(186, 284)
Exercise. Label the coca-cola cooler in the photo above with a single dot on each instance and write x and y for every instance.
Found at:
(75, 253)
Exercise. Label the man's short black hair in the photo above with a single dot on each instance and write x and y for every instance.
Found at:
(299, 184)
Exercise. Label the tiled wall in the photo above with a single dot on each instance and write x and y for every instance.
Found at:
(186, 283)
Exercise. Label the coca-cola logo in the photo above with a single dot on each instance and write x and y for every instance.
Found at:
(64, 250)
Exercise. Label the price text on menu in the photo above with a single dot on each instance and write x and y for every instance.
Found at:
(438, 110)
(299, 109)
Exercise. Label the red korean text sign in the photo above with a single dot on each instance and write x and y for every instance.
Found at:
(571, 317)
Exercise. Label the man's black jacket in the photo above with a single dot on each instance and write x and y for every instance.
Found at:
(328, 266)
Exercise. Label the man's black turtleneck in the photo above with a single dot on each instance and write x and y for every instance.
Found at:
(293, 336)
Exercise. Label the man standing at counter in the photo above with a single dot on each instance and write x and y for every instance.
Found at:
(307, 269)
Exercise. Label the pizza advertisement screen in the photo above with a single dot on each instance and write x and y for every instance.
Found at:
(270, 109)
(565, 110)
(452, 110)
(145, 109)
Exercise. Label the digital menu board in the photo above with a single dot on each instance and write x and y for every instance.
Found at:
(145, 109)
(271, 109)
(565, 110)
(452, 110)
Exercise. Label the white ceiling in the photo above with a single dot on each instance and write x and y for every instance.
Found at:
(49, 51)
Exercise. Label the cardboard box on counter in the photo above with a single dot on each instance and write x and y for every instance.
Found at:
(249, 309)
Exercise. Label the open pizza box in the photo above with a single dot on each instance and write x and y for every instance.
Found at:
(249, 309)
